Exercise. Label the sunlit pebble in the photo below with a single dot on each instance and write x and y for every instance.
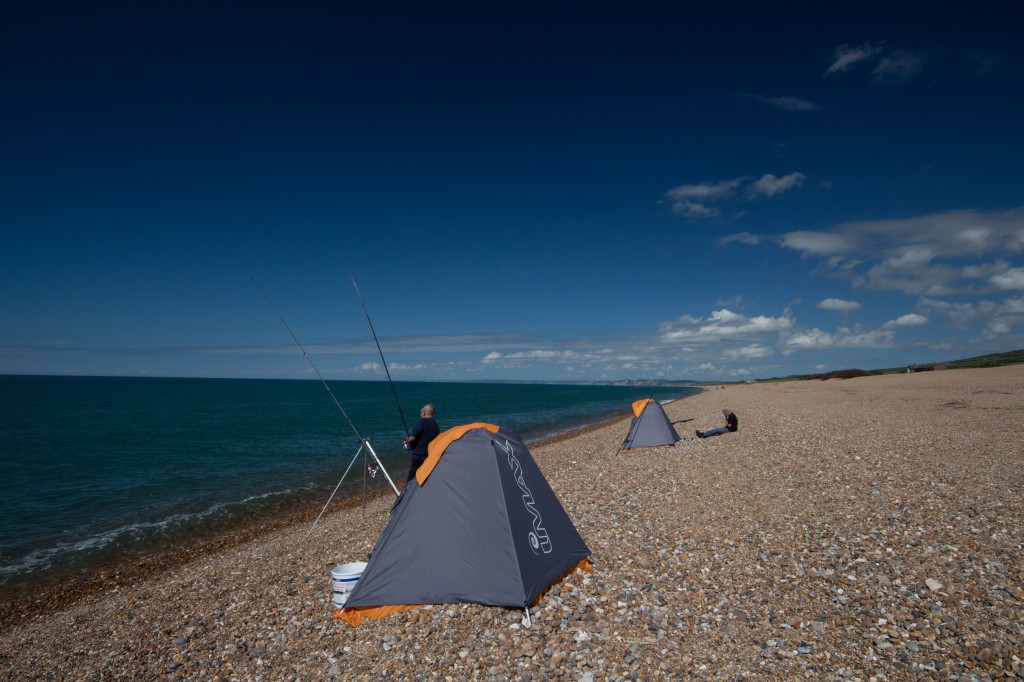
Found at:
(821, 541)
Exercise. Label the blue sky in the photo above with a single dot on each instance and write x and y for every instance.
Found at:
(522, 191)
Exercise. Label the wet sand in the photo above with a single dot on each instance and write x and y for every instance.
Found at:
(851, 529)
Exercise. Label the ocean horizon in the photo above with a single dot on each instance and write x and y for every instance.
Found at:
(96, 468)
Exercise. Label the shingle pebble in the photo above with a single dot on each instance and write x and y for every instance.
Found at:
(861, 529)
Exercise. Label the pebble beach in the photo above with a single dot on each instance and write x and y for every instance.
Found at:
(852, 529)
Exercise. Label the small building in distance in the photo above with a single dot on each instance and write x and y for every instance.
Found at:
(926, 368)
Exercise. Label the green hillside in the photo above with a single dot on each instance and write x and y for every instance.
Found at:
(1012, 357)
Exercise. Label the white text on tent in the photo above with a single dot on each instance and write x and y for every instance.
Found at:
(539, 539)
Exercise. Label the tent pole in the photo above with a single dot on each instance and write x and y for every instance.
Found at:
(364, 443)
(382, 468)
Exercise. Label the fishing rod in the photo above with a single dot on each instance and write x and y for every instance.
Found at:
(363, 442)
(660, 381)
(306, 355)
(375, 340)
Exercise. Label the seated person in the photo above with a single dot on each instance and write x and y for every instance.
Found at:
(731, 424)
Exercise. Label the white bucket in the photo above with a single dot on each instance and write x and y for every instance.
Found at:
(343, 579)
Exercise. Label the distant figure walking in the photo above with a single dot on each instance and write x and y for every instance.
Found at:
(426, 430)
(732, 423)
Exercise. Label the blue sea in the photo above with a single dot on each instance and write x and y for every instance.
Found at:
(95, 468)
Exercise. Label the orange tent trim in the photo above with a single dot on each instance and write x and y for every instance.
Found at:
(583, 565)
(441, 443)
(638, 406)
(358, 615)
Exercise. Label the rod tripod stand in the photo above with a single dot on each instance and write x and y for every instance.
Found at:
(364, 443)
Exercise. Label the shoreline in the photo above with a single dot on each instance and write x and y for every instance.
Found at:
(54, 591)
(851, 529)
(97, 554)
(131, 568)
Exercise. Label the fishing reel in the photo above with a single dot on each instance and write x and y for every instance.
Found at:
(372, 471)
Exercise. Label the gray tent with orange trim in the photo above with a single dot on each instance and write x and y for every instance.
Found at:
(479, 523)
(650, 427)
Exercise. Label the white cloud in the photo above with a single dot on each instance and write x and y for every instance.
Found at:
(724, 325)
(816, 339)
(817, 243)
(895, 66)
(994, 319)
(908, 320)
(742, 237)
(984, 271)
(540, 354)
(768, 185)
(694, 201)
(922, 255)
(691, 200)
(898, 67)
(705, 190)
(691, 209)
(911, 273)
(725, 316)
(406, 367)
(960, 314)
(531, 357)
(1012, 278)
(786, 103)
(1013, 306)
(846, 57)
(527, 355)
(877, 338)
(792, 103)
(393, 367)
(739, 338)
(838, 304)
(754, 351)
(999, 327)
(810, 339)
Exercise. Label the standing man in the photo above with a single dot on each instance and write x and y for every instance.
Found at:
(426, 430)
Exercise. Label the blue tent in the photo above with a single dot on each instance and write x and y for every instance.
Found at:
(479, 523)
(650, 427)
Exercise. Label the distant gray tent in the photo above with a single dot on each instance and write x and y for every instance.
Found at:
(479, 523)
(650, 427)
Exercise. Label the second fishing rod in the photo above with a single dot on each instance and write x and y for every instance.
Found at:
(364, 443)
(380, 352)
